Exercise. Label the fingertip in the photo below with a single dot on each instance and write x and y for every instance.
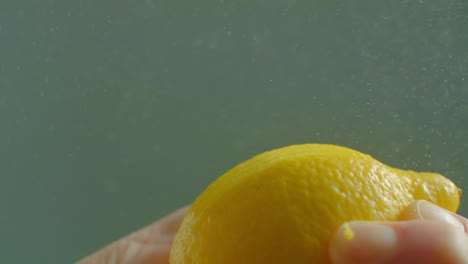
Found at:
(362, 242)
(424, 210)
(169, 225)
(411, 211)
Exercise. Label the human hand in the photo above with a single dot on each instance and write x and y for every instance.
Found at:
(150, 245)
(427, 234)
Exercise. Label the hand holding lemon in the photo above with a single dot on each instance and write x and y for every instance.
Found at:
(308, 203)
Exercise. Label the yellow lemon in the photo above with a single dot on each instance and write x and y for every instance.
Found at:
(284, 205)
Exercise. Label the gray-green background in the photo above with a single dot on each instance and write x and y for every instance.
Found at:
(114, 113)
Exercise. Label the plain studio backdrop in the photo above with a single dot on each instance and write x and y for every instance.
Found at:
(114, 113)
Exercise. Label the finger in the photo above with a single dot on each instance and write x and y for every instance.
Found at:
(148, 245)
(373, 243)
(403, 242)
(424, 210)
(430, 242)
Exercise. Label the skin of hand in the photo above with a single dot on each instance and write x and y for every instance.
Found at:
(426, 234)
(150, 245)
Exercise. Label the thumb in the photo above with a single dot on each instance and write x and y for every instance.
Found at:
(149, 245)
(437, 236)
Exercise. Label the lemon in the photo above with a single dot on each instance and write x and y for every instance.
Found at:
(284, 205)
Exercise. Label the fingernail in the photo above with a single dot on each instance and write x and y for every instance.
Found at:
(363, 242)
(429, 211)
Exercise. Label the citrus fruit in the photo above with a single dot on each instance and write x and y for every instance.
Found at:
(284, 205)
